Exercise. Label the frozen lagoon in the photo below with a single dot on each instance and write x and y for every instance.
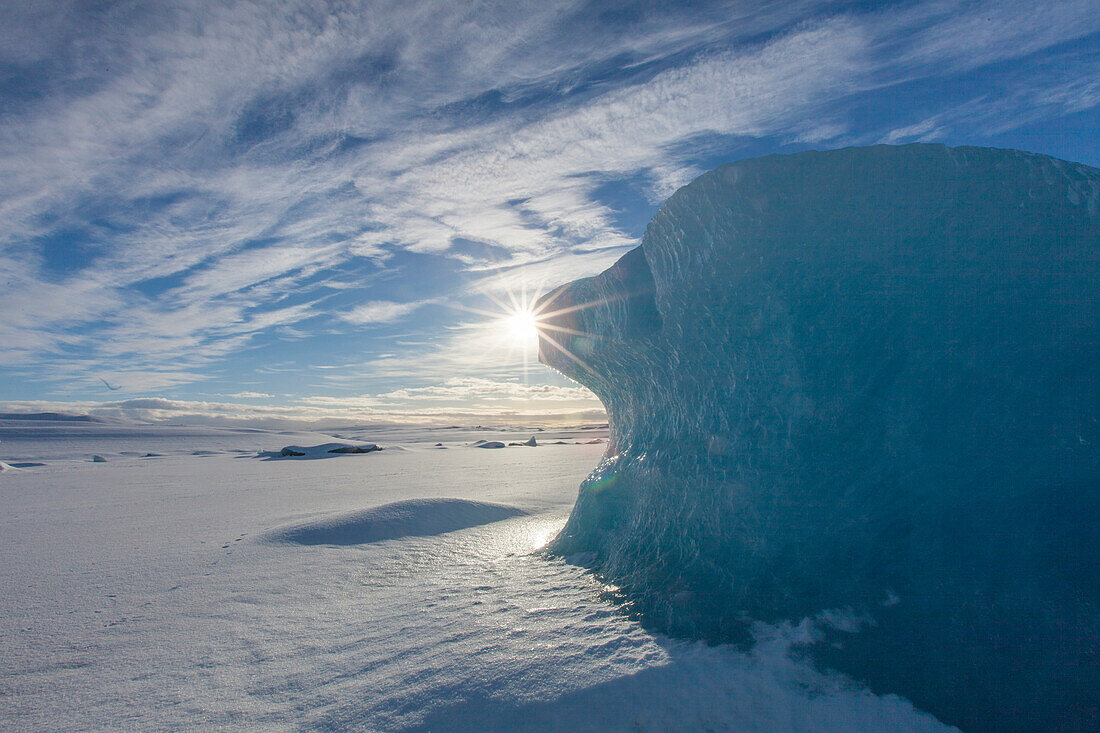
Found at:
(145, 593)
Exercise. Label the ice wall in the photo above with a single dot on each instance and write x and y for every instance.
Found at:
(870, 379)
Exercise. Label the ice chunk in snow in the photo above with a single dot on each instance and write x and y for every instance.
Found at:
(325, 450)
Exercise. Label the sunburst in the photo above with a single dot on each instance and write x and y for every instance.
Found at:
(514, 323)
(522, 326)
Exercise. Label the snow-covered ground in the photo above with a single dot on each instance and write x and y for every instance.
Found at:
(196, 589)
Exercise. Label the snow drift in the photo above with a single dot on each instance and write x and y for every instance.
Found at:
(412, 518)
(868, 379)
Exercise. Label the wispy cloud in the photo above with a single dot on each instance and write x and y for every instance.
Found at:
(183, 182)
(380, 311)
(460, 399)
(465, 389)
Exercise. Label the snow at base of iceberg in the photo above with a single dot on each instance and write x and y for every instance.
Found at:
(166, 609)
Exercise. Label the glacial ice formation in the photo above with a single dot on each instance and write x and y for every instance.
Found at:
(869, 379)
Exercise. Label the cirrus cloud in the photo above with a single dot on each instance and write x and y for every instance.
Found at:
(188, 188)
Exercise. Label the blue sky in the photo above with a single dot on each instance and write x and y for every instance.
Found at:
(322, 211)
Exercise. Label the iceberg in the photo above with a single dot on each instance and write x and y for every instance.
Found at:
(864, 379)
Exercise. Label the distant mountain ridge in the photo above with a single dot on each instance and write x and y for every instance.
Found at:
(47, 417)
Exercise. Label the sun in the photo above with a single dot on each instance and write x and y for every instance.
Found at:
(510, 329)
(522, 325)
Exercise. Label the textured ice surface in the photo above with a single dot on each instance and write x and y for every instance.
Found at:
(868, 379)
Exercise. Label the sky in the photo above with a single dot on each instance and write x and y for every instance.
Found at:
(307, 212)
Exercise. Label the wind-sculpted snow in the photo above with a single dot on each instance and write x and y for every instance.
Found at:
(867, 379)
(412, 518)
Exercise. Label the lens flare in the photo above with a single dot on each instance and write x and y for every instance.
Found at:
(522, 326)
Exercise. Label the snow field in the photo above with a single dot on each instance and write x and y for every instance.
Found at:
(149, 594)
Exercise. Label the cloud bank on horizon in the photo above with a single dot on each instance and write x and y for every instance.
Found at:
(301, 210)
